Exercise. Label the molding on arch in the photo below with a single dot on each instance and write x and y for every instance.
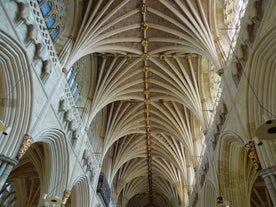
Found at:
(16, 93)
(209, 194)
(261, 77)
(80, 193)
(58, 159)
(234, 170)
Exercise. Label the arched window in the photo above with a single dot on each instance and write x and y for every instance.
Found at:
(54, 33)
(46, 8)
(71, 79)
(52, 11)
(50, 21)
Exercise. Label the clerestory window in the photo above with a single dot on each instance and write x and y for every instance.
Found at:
(71, 79)
(52, 13)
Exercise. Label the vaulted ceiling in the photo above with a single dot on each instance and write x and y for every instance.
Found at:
(157, 63)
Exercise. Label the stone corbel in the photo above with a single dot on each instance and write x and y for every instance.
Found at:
(68, 115)
(46, 70)
(32, 31)
(24, 11)
(64, 105)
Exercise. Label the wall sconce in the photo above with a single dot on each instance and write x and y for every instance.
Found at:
(3, 129)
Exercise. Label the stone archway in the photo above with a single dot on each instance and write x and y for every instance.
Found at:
(236, 171)
(80, 194)
(23, 186)
(259, 194)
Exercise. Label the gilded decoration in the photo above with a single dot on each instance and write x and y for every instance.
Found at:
(252, 154)
(26, 143)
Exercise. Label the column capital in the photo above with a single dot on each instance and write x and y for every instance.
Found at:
(9, 160)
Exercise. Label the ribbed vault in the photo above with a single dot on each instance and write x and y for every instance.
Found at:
(156, 78)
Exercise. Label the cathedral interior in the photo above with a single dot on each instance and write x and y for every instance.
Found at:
(137, 103)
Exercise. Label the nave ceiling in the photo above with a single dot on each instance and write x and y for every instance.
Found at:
(157, 82)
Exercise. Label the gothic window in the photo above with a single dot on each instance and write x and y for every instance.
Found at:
(69, 75)
(50, 21)
(71, 79)
(46, 8)
(54, 33)
(52, 11)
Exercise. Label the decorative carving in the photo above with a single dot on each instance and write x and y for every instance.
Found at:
(174, 56)
(128, 55)
(63, 105)
(26, 143)
(116, 55)
(144, 8)
(188, 56)
(162, 56)
(146, 69)
(145, 56)
(220, 72)
(147, 101)
(145, 42)
(144, 25)
(147, 92)
(66, 194)
(252, 154)
(217, 39)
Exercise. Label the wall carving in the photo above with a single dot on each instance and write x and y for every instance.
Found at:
(26, 143)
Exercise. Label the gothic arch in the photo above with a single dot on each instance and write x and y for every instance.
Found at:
(80, 193)
(15, 93)
(57, 158)
(236, 172)
(261, 98)
(28, 177)
(209, 195)
(261, 76)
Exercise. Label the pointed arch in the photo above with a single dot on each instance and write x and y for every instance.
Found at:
(15, 93)
(58, 160)
(236, 171)
(80, 193)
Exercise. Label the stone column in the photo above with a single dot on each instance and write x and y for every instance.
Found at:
(6, 166)
(269, 176)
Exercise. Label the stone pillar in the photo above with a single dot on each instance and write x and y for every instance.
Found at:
(6, 166)
(269, 176)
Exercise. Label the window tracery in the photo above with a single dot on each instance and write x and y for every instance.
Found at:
(72, 80)
(53, 13)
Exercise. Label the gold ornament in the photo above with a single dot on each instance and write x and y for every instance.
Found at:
(26, 143)
(144, 25)
(145, 42)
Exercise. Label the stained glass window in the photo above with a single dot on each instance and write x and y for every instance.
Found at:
(54, 33)
(72, 83)
(50, 20)
(75, 90)
(71, 79)
(69, 74)
(46, 8)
